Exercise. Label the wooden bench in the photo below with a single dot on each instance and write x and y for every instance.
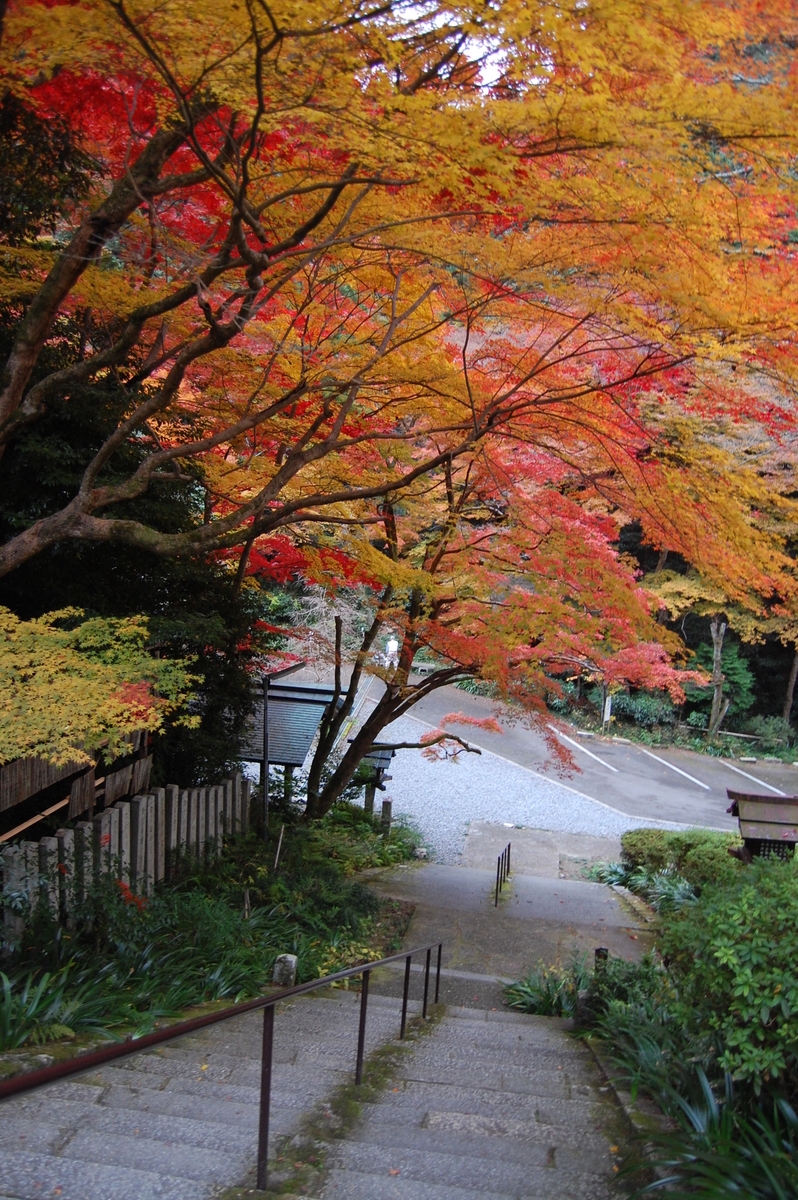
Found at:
(768, 825)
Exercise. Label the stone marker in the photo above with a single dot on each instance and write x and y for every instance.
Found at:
(84, 859)
(284, 974)
(385, 819)
(123, 808)
(138, 841)
(159, 833)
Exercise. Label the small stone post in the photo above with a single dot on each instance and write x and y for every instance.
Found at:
(123, 852)
(385, 819)
(138, 842)
(84, 859)
(149, 846)
(284, 974)
(193, 818)
(209, 797)
(182, 823)
(368, 802)
(171, 816)
(202, 828)
(102, 842)
(159, 833)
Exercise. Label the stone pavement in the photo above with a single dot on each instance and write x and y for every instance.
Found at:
(490, 1106)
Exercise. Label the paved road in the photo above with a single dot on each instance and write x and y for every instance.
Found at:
(622, 775)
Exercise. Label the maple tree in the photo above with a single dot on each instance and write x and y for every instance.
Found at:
(336, 254)
(296, 209)
(69, 685)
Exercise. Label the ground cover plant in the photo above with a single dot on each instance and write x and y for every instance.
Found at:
(210, 934)
(708, 1026)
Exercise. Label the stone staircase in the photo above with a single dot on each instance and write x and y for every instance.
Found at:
(180, 1122)
(483, 1104)
(489, 1106)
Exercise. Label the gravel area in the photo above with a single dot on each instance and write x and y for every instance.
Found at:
(442, 797)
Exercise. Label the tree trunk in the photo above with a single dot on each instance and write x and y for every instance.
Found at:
(720, 705)
(790, 695)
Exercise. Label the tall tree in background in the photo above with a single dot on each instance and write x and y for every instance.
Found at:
(327, 253)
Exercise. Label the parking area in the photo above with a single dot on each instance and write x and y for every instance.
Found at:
(650, 782)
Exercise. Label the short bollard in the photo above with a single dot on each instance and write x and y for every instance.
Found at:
(284, 974)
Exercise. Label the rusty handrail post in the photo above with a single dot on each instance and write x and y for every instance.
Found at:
(502, 872)
(361, 1033)
(426, 982)
(405, 994)
(438, 973)
(265, 1096)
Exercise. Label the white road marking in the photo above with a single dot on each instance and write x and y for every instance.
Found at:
(584, 749)
(753, 778)
(678, 770)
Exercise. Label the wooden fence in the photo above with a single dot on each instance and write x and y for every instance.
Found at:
(136, 841)
(101, 783)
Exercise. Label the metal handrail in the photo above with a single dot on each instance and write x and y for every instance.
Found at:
(502, 871)
(87, 1062)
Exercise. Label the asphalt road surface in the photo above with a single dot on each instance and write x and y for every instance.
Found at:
(662, 783)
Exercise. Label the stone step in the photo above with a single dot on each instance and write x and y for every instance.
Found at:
(463, 1169)
(517, 1080)
(354, 1185)
(485, 1102)
(484, 1136)
(29, 1176)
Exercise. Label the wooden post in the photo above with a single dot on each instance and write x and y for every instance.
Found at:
(368, 803)
(385, 820)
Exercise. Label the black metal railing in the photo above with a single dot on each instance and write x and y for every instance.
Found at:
(502, 871)
(96, 1058)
